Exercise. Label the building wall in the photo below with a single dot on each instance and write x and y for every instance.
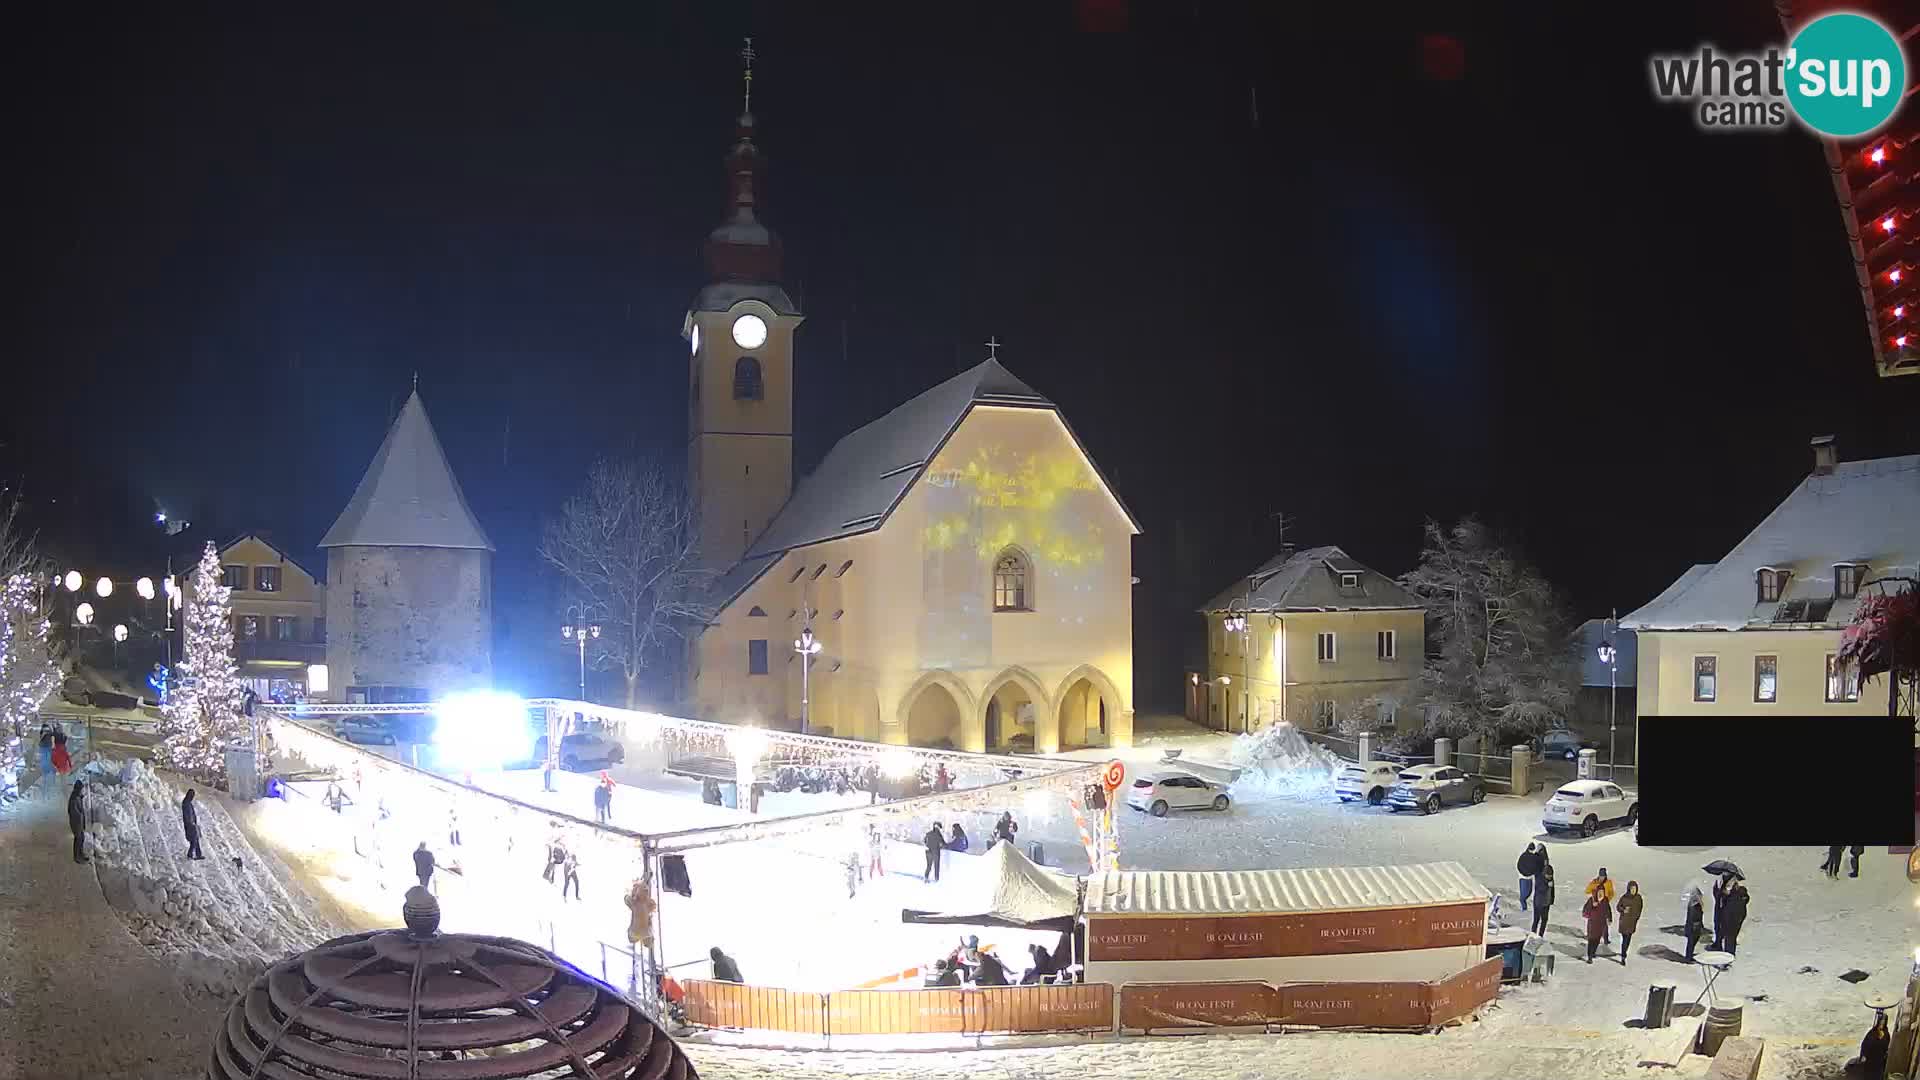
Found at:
(1665, 674)
(920, 651)
(1274, 671)
(266, 659)
(419, 618)
(740, 451)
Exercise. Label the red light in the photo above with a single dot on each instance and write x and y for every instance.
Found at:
(1900, 311)
(1900, 342)
(1893, 275)
(1879, 155)
(1886, 223)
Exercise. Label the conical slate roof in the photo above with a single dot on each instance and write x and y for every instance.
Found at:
(408, 498)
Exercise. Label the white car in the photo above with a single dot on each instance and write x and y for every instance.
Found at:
(1369, 781)
(1583, 806)
(1159, 792)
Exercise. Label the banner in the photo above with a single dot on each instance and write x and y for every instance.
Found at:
(1321, 933)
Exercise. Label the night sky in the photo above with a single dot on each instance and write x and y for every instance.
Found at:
(1339, 271)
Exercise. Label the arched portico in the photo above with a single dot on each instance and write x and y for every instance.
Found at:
(937, 707)
(1089, 710)
(1005, 716)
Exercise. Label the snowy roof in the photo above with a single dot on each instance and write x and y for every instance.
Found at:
(1862, 512)
(408, 498)
(1309, 580)
(1003, 888)
(722, 295)
(1252, 892)
(870, 470)
(1625, 644)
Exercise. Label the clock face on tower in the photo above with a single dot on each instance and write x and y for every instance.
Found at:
(749, 332)
(695, 340)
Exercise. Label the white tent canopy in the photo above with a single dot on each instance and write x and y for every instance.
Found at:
(1004, 888)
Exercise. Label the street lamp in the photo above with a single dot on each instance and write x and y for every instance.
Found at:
(579, 635)
(1610, 656)
(808, 648)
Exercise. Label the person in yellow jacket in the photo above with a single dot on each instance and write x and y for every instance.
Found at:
(639, 900)
(1601, 889)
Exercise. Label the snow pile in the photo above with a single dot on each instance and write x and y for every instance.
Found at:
(220, 920)
(1279, 761)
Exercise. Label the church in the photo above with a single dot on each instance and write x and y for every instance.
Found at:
(960, 566)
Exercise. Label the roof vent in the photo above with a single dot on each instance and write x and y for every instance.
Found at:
(1826, 454)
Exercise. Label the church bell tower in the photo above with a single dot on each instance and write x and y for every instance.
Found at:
(739, 334)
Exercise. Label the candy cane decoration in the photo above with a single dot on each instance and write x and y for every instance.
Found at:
(1086, 838)
(1113, 840)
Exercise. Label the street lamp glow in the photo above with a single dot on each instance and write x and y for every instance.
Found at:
(83, 614)
(144, 587)
(104, 587)
(74, 581)
(119, 631)
(899, 764)
(1606, 652)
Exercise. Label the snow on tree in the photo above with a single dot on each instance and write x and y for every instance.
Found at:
(1501, 659)
(627, 548)
(27, 669)
(202, 717)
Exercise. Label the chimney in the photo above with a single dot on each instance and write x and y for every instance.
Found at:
(1826, 454)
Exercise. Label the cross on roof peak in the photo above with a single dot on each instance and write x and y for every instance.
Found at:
(993, 347)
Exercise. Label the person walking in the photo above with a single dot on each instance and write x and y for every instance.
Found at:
(1734, 915)
(1855, 852)
(46, 752)
(190, 820)
(602, 803)
(1602, 887)
(958, 841)
(77, 820)
(453, 827)
(935, 842)
(942, 780)
(423, 865)
(1598, 913)
(1873, 1048)
(556, 857)
(1005, 828)
(1528, 865)
(1720, 888)
(62, 763)
(1695, 923)
(724, 969)
(1542, 894)
(876, 866)
(1631, 903)
(853, 873)
(1832, 866)
(570, 878)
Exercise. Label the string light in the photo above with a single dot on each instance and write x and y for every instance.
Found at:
(1886, 223)
(1899, 311)
(1878, 154)
(1893, 275)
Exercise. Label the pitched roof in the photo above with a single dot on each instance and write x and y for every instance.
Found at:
(1625, 645)
(1862, 512)
(318, 579)
(1309, 580)
(408, 498)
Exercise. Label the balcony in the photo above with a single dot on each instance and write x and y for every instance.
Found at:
(280, 652)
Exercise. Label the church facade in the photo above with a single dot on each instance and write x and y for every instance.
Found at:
(962, 564)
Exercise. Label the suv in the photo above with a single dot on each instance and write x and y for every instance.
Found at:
(1562, 743)
(1368, 780)
(1427, 788)
(581, 748)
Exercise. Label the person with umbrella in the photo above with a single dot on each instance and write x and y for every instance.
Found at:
(1733, 914)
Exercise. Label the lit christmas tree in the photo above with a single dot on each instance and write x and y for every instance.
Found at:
(202, 716)
(27, 671)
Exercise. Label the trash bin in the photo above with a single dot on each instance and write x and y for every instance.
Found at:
(1660, 1005)
(1036, 853)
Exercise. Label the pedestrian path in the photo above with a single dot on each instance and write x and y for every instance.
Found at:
(78, 995)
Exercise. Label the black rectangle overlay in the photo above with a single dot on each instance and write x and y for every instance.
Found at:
(1776, 780)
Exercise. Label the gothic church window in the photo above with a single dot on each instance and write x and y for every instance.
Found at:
(746, 379)
(757, 656)
(1010, 573)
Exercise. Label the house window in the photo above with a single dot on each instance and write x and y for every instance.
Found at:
(319, 630)
(756, 612)
(285, 628)
(746, 379)
(1323, 715)
(1386, 645)
(1349, 581)
(266, 579)
(1766, 678)
(837, 614)
(1010, 582)
(797, 571)
(818, 571)
(1389, 713)
(1846, 581)
(757, 656)
(234, 577)
(844, 567)
(1843, 681)
(246, 627)
(1706, 683)
(1772, 584)
(1326, 648)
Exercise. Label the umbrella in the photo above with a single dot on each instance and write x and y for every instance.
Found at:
(1721, 867)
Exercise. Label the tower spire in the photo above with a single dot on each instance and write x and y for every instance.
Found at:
(746, 56)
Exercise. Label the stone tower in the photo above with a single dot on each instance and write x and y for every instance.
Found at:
(739, 332)
(409, 577)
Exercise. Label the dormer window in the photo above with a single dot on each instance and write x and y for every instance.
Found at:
(1349, 581)
(1846, 580)
(1772, 584)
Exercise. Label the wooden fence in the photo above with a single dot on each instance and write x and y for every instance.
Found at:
(1185, 1006)
(998, 1010)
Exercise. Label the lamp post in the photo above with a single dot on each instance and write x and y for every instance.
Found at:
(1611, 657)
(1237, 624)
(808, 648)
(578, 634)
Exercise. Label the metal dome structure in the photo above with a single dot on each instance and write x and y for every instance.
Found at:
(416, 1004)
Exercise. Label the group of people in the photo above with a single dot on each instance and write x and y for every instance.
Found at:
(1832, 866)
(937, 841)
(565, 862)
(1602, 902)
(55, 763)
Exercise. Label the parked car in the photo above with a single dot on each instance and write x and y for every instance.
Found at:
(589, 747)
(1584, 806)
(367, 730)
(1159, 792)
(1562, 743)
(1427, 788)
(1370, 780)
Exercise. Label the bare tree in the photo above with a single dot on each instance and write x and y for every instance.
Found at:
(627, 548)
